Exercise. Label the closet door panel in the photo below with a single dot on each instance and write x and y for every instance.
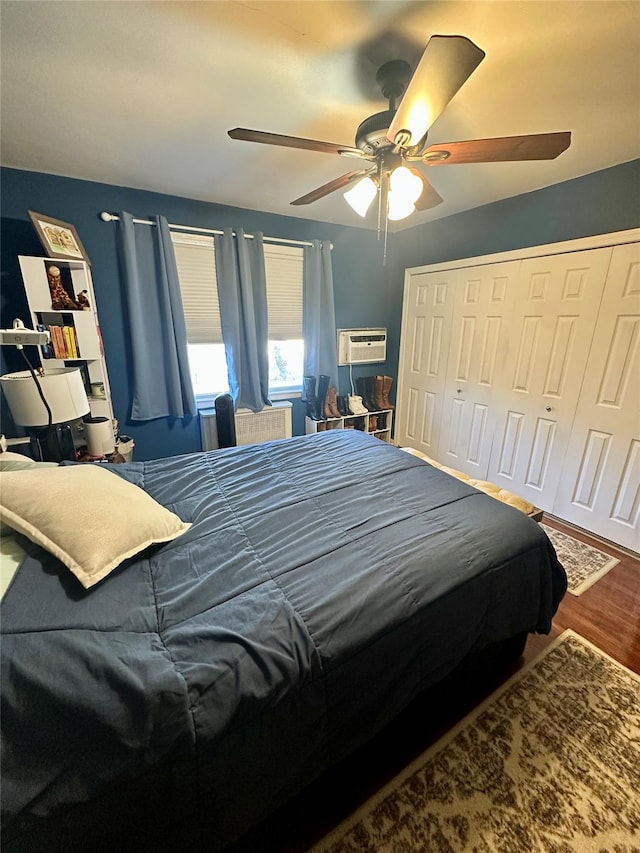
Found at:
(426, 332)
(484, 297)
(550, 335)
(600, 484)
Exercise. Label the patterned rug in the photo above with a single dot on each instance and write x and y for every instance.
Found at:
(583, 564)
(548, 764)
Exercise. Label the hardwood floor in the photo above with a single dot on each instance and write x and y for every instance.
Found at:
(607, 614)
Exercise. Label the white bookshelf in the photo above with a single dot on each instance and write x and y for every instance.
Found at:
(87, 340)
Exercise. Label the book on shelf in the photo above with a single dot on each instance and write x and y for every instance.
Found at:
(64, 341)
(72, 341)
(57, 338)
(46, 349)
(68, 342)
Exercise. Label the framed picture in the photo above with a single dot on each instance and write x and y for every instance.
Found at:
(60, 239)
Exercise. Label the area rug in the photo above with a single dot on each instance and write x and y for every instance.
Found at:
(550, 762)
(583, 564)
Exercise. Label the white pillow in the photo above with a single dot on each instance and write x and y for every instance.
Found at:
(9, 456)
(18, 462)
(88, 517)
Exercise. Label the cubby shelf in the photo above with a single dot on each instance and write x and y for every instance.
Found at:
(381, 427)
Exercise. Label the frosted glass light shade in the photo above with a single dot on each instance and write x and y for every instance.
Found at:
(361, 195)
(405, 184)
(405, 188)
(62, 388)
(398, 208)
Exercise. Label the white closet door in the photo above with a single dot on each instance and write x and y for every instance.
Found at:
(426, 329)
(476, 364)
(549, 342)
(600, 484)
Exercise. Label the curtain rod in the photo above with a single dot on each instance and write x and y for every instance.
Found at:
(111, 217)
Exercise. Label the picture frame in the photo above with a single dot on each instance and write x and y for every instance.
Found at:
(60, 239)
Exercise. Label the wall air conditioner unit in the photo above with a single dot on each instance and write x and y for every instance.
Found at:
(271, 423)
(362, 346)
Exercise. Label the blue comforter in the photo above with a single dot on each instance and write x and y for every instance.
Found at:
(326, 580)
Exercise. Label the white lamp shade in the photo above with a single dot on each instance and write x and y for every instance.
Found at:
(62, 389)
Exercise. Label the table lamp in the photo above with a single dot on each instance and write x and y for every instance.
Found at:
(64, 393)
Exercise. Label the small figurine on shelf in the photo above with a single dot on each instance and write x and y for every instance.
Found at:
(83, 300)
(60, 299)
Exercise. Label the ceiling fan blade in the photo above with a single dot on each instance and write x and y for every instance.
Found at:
(332, 186)
(247, 135)
(429, 197)
(537, 146)
(447, 62)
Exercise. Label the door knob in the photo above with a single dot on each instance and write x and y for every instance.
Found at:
(548, 408)
(459, 390)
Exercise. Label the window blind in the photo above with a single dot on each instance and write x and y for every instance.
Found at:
(284, 270)
(195, 259)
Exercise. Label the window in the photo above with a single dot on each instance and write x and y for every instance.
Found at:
(284, 273)
(195, 259)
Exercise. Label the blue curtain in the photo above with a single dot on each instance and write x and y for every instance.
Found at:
(319, 324)
(158, 337)
(242, 295)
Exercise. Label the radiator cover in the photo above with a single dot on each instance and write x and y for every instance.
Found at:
(271, 423)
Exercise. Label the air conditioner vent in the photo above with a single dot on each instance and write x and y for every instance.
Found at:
(362, 346)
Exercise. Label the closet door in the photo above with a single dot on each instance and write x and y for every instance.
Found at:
(426, 328)
(484, 297)
(600, 484)
(549, 340)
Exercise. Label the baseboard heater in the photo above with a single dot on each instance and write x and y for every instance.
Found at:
(271, 423)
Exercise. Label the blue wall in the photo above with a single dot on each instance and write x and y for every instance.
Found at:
(361, 283)
(366, 292)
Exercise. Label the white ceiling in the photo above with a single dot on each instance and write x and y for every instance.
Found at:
(141, 94)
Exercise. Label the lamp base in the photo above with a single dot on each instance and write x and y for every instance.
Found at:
(52, 444)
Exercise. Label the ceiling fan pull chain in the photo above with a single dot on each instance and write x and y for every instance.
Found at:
(384, 203)
(380, 197)
(386, 231)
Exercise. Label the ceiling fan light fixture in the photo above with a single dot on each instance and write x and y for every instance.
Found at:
(361, 195)
(405, 185)
(398, 207)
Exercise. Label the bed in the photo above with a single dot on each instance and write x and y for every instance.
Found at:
(318, 585)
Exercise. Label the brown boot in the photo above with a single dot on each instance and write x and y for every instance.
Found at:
(378, 392)
(387, 382)
(334, 403)
(330, 404)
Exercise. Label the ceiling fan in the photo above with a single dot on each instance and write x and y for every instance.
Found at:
(393, 144)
